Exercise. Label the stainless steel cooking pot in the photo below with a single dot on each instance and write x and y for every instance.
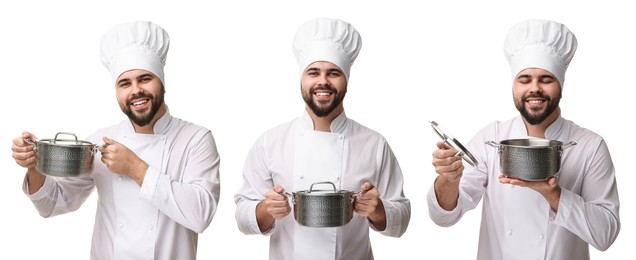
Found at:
(530, 159)
(323, 208)
(63, 157)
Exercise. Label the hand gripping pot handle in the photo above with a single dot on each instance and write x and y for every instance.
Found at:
(322, 208)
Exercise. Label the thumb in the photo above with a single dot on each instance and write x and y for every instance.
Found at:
(26, 135)
(279, 189)
(367, 186)
(108, 141)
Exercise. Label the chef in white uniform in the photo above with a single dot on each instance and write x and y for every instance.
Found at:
(553, 219)
(157, 176)
(322, 145)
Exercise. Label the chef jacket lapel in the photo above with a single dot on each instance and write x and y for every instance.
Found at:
(318, 157)
(136, 219)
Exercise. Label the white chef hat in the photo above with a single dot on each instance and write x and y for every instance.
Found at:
(540, 44)
(135, 45)
(326, 39)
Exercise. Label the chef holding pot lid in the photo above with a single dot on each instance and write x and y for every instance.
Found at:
(157, 176)
(322, 145)
(555, 218)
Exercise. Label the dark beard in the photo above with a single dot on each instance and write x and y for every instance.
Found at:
(322, 111)
(535, 119)
(154, 108)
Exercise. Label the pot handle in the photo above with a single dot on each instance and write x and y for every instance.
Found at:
(353, 197)
(96, 148)
(65, 133)
(568, 145)
(493, 144)
(28, 140)
(290, 196)
(311, 188)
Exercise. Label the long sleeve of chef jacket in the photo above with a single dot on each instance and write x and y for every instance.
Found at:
(588, 211)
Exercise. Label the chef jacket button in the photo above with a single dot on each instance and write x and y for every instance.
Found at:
(119, 178)
(340, 137)
(151, 227)
(163, 138)
(121, 225)
(509, 232)
(541, 236)
(337, 178)
(301, 176)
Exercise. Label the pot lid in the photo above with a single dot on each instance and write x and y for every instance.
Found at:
(452, 142)
(66, 142)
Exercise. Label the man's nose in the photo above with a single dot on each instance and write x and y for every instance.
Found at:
(323, 80)
(535, 87)
(136, 88)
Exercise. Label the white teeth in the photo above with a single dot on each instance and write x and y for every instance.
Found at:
(139, 103)
(535, 101)
(322, 94)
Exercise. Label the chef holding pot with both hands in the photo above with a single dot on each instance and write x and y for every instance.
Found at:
(322, 145)
(555, 218)
(157, 176)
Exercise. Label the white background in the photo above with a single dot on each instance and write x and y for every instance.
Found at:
(231, 69)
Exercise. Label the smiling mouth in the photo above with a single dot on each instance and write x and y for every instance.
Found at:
(323, 93)
(139, 102)
(535, 101)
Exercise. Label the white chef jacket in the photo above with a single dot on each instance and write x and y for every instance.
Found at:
(160, 219)
(294, 156)
(517, 222)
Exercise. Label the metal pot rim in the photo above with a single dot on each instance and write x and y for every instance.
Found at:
(65, 142)
(532, 143)
(323, 192)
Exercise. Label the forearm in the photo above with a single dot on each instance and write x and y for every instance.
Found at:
(553, 197)
(447, 193)
(263, 218)
(35, 180)
(378, 217)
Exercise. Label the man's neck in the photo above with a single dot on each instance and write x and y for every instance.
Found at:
(324, 123)
(150, 128)
(538, 130)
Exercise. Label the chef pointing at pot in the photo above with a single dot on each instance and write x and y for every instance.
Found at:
(322, 145)
(157, 176)
(555, 218)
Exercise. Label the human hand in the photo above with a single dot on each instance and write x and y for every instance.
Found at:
(276, 203)
(543, 187)
(23, 152)
(121, 160)
(447, 165)
(368, 200)
(549, 188)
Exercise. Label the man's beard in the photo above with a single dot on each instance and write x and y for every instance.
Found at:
(535, 119)
(323, 109)
(144, 118)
